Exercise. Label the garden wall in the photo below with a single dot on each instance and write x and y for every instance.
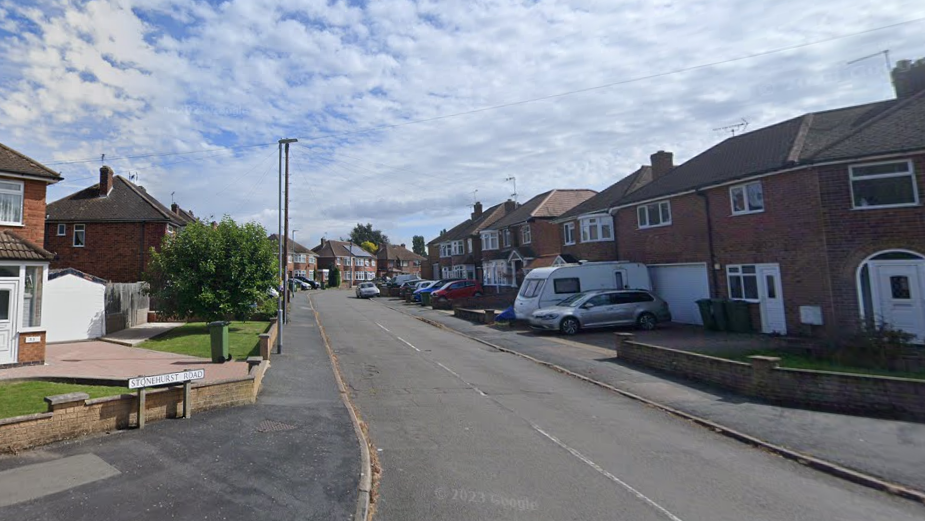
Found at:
(879, 396)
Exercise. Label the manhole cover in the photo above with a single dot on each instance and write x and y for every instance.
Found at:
(274, 426)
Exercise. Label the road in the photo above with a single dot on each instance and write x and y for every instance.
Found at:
(466, 432)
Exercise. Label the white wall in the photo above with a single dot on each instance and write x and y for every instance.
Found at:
(74, 309)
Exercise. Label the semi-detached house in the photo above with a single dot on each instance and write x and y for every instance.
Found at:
(355, 264)
(816, 221)
(458, 252)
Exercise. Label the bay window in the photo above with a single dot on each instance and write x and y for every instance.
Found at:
(595, 229)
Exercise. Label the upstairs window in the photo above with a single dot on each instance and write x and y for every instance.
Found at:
(489, 240)
(655, 214)
(568, 233)
(458, 248)
(525, 237)
(883, 185)
(446, 249)
(507, 237)
(595, 229)
(11, 202)
(747, 198)
(62, 230)
(80, 235)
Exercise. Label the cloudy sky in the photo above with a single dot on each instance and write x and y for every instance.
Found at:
(404, 109)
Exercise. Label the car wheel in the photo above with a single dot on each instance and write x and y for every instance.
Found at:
(477, 294)
(646, 321)
(569, 326)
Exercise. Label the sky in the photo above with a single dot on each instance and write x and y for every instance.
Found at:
(408, 112)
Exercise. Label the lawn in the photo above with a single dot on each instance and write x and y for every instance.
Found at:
(21, 398)
(800, 361)
(193, 339)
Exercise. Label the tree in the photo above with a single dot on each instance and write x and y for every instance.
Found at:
(333, 276)
(417, 245)
(362, 233)
(369, 246)
(213, 273)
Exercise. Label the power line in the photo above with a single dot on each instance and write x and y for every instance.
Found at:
(159, 154)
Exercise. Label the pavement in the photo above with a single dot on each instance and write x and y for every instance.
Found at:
(293, 455)
(106, 360)
(891, 450)
(135, 335)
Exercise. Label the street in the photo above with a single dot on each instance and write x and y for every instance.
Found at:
(466, 432)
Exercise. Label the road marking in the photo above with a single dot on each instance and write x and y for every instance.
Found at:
(43, 479)
(610, 476)
(409, 344)
(453, 373)
(383, 327)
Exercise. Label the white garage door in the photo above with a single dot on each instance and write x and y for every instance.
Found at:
(681, 285)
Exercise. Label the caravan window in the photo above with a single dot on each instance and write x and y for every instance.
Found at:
(569, 285)
(532, 288)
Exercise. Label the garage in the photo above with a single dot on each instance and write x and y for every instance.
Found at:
(681, 285)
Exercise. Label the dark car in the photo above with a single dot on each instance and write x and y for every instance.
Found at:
(458, 289)
(312, 283)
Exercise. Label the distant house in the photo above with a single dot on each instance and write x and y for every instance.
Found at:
(107, 230)
(394, 260)
(24, 263)
(355, 264)
(300, 261)
(458, 252)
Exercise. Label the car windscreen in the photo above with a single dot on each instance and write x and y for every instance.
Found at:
(531, 288)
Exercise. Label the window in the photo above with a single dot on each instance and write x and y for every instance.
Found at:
(883, 185)
(80, 235)
(32, 297)
(347, 275)
(458, 248)
(899, 287)
(747, 198)
(655, 214)
(630, 297)
(9, 271)
(525, 235)
(595, 229)
(507, 237)
(743, 282)
(62, 230)
(311, 260)
(469, 244)
(10, 202)
(569, 285)
(531, 288)
(489, 240)
(568, 233)
(446, 249)
(597, 300)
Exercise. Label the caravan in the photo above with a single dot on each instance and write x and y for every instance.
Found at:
(545, 287)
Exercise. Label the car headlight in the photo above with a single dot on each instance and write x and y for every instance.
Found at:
(547, 316)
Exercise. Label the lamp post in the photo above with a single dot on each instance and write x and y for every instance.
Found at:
(283, 243)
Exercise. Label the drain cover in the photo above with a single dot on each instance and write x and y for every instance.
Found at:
(274, 426)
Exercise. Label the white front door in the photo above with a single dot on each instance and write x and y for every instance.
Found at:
(9, 346)
(773, 318)
(900, 298)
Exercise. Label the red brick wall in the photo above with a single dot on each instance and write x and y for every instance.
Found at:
(545, 237)
(113, 251)
(685, 240)
(33, 213)
(853, 235)
(589, 251)
(33, 353)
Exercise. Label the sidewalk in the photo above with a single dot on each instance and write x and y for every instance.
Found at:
(293, 455)
(892, 450)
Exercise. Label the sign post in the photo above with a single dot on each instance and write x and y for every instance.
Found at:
(185, 377)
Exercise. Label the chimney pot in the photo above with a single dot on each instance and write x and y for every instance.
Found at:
(175, 208)
(662, 163)
(908, 78)
(105, 180)
(402, 245)
(476, 210)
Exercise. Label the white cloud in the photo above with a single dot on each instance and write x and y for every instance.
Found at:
(128, 78)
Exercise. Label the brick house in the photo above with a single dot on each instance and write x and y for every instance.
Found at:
(587, 229)
(394, 260)
(527, 237)
(458, 252)
(108, 229)
(355, 264)
(817, 221)
(24, 264)
(300, 261)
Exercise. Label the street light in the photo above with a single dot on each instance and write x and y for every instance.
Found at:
(282, 240)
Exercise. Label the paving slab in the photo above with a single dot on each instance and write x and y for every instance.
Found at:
(138, 334)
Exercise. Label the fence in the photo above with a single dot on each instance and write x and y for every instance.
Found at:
(126, 306)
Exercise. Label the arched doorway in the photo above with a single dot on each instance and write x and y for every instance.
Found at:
(891, 287)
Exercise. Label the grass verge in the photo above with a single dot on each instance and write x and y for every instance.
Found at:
(21, 398)
(194, 339)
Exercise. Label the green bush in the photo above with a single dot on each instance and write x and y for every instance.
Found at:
(875, 346)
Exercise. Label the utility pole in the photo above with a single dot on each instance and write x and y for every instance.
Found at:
(281, 237)
(286, 235)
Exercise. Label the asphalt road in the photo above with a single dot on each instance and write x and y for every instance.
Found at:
(466, 432)
(293, 455)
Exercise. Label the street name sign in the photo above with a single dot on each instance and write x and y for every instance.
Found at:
(166, 379)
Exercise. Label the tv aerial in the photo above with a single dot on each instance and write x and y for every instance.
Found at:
(732, 129)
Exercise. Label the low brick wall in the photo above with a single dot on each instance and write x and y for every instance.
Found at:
(500, 302)
(482, 316)
(878, 396)
(268, 340)
(72, 416)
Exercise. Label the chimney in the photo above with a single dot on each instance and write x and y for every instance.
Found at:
(105, 181)
(509, 206)
(662, 163)
(908, 78)
(175, 208)
(476, 210)
(402, 245)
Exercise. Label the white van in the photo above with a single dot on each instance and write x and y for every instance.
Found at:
(544, 287)
(402, 278)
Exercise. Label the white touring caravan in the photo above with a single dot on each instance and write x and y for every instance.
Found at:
(544, 287)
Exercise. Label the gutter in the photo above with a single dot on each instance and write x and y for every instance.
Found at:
(714, 290)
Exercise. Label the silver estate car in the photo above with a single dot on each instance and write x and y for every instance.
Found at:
(602, 308)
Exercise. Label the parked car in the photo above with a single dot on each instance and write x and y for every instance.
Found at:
(273, 292)
(299, 284)
(313, 284)
(401, 279)
(417, 296)
(367, 290)
(458, 289)
(407, 287)
(603, 308)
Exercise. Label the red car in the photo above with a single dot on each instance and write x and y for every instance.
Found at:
(458, 289)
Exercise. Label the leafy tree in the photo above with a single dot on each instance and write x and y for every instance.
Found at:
(369, 246)
(362, 233)
(213, 273)
(417, 245)
(333, 276)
